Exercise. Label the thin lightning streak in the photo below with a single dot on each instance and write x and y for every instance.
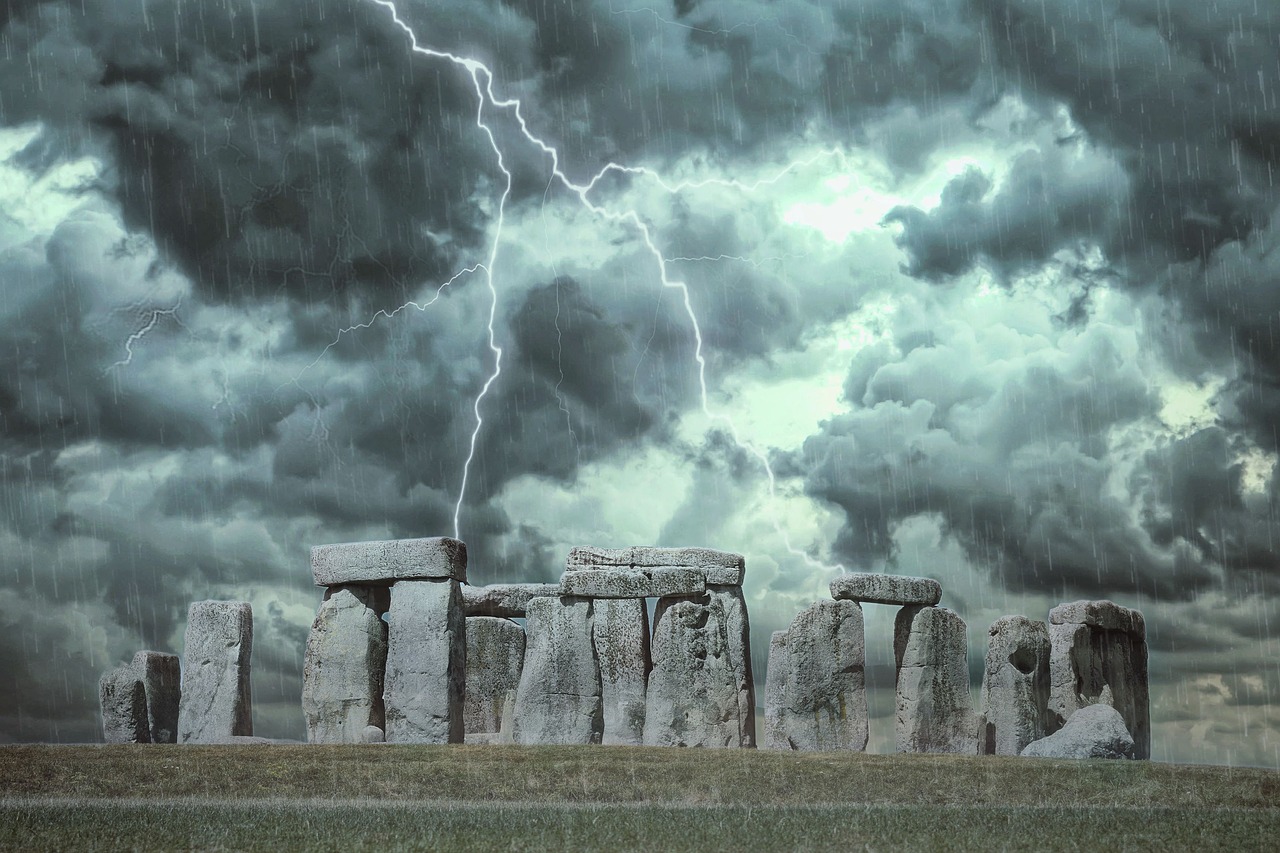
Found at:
(156, 314)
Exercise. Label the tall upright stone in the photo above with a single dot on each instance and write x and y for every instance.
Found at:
(559, 697)
(934, 713)
(815, 688)
(620, 630)
(426, 662)
(346, 660)
(216, 703)
(495, 659)
(1099, 656)
(123, 702)
(1015, 686)
(161, 677)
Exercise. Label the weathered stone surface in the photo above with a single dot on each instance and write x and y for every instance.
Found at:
(388, 561)
(700, 689)
(506, 600)
(1015, 686)
(1097, 731)
(346, 659)
(886, 589)
(558, 701)
(933, 708)
(216, 704)
(620, 630)
(721, 568)
(1100, 659)
(632, 583)
(123, 702)
(495, 658)
(373, 734)
(161, 677)
(426, 662)
(816, 698)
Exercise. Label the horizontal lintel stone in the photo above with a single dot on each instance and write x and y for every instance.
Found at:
(721, 568)
(388, 561)
(886, 589)
(616, 582)
(1106, 615)
(506, 600)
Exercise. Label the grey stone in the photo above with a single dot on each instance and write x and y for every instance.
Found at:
(632, 583)
(700, 689)
(346, 659)
(933, 707)
(1100, 658)
(161, 677)
(721, 568)
(816, 697)
(373, 734)
(123, 702)
(495, 658)
(620, 631)
(506, 600)
(426, 662)
(216, 703)
(1096, 731)
(388, 561)
(886, 589)
(1015, 686)
(558, 700)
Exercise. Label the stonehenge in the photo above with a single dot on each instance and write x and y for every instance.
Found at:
(1095, 731)
(1015, 686)
(216, 704)
(161, 677)
(344, 665)
(933, 713)
(558, 700)
(495, 661)
(123, 702)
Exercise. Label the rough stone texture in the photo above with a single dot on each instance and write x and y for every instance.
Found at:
(373, 734)
(558, 701)
(620, 630)
(632, 583)
(933, 708)
(721, 568)
(700, 689)
(495, 658)
(216, 704)
(161, 677)
(342, 672)
(1097, 731)
(123, 701)
(1015, 686)
(886, 589)
(388, 561)
(816, 696)
(426, 662)
(506, 600)
(1100, 659)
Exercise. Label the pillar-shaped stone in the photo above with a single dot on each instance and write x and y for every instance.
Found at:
(558, 700)
(216, 703)
(495, 659)
(426, 662)
(1015, 686)
(161, 677)
(934, 713)
(620, 629)
(346, 659)
(816, 696)
(123, 702)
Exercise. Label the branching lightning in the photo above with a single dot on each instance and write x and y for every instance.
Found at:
(156, 314)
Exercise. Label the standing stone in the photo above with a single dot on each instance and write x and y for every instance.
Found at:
(558, 700)
(495, 658)
(700, 689)
(816, 696)
(426, 662)
(620, 630)
(346, 658)
(1093, 732)
(124, 707)
(161, 677)
(933, 708)
(1015, 686)
(215, 704)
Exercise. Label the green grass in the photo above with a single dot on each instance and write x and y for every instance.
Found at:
(614, 798)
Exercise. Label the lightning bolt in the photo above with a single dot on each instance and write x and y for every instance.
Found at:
(156, 314)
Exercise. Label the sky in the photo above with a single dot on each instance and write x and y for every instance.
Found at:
(980, 290)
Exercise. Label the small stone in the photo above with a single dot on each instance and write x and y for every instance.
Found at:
(161, 677)
(558, 700)
(632, 583)
(388, 561)
(426, 662)
(1095, 731)
(620, 631)
(933, 708)
(216, 703)
(886, 589)
(505, 600)
(1015, 686)
(344, 665)
(123, 702)
(495, 659)
(721, 568)
(373, 734)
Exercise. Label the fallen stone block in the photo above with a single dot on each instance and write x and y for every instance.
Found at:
(720, 568)
(216, 703)
(1015, 686)
(504, 600)
(886, 589)
(932, 697)
(161, 677)
(495, 659)
(388, 561)
(1096, 731)
(123, 702)
(632, 583)
(373, 734)
(620, 631)
(344, 665)
(426, 662)
(558, 700)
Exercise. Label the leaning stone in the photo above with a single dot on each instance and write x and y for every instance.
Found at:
(161, 677)
(620, 631)
(1015, 686)
(700, 689)
(388, 561)
(216, 703)
(558, 700)
(1097, 731)
(933, 708)
(721, 568)
(495, 658)
(426, 662)
(820, 682)
(346, 659)
(123, 702)
(886, 589)
(632, 583)
(505, 600)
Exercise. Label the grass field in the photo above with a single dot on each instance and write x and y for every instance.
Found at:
(615, 798)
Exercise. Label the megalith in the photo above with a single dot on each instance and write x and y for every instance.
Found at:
(123, 702)
(1015, 686)
(1096, 731)
(161, 677)
(886, 589)
(507, 600)
(389, 560)
(344, 666)
(215, 704)
(620, 631)
(426, 662)
(495, 659)
(933, 710)
(558, 700)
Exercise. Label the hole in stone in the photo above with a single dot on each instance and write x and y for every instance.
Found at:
(1023, 660)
